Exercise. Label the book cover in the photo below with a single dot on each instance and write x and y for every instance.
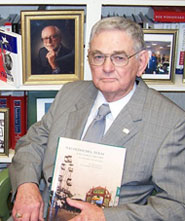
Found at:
(10, 58)
(5, 103)
(167, 13)
(85, 171)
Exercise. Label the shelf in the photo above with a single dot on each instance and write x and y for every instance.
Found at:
(93, 13)
(110, 2)
(8, 87)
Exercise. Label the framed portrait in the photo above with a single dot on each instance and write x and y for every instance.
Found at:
(38, 104)
(161, 46)
(4, 131)
(52, 46)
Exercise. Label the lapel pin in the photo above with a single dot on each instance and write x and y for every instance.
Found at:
(126, 131)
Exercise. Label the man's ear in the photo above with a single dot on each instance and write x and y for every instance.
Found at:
(143, 61)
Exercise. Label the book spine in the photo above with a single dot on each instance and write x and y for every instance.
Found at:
(18, 119)
(169, 16)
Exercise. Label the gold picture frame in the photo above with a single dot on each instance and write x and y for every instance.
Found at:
(71, 25)
(4, 131)
(161, 45)
(183, 79)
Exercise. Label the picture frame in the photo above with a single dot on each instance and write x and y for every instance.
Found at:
(161, 46)
(37, 42)
(4, 131)
(183, 79)
(35, 98)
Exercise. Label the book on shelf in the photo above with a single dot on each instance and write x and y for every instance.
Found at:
(6, 23)
(138, 19)
(18, 116)
(146, 22)
(10, 58)
(16, 24)
(167, 13)
(85, 171)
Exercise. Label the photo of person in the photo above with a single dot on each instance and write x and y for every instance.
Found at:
(52, 47)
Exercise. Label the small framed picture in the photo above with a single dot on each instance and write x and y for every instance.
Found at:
(52, 46)
(38, 104)
(43, 105)
(161, 46)
(4, 131)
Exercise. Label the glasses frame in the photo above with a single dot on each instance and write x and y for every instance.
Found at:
(110, 55)
(52, 37)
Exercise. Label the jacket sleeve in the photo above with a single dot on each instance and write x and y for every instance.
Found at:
(168, 178)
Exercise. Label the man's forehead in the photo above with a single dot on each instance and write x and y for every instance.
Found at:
(112, 42)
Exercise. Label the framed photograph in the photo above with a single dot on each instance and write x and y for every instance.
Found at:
(38, 104)
(161, 46)
(184, 70)
(53, 45)
(4, 131)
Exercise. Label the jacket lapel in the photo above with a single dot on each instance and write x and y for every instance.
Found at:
(79, 114)
(125, 126)
(128, 122)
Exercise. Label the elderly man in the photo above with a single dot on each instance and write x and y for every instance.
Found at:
(147, 124)
(54, 58)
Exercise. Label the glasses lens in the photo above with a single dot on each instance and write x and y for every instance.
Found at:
(99, 59)
(96, 59)
(119, 59)
(52, 37)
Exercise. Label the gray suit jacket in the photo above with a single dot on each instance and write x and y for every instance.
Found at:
(155, 145)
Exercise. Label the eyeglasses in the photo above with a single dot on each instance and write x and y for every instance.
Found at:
(118, 59)
(52, 37)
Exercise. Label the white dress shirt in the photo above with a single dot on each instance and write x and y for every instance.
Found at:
(115, 108)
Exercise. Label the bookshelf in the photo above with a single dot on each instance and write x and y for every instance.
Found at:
(93, 12)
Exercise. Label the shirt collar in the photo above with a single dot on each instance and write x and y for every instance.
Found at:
(115, 106)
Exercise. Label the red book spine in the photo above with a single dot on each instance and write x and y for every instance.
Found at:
(169, 14)
(18, 116)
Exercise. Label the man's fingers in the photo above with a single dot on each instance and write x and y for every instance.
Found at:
(75, 203)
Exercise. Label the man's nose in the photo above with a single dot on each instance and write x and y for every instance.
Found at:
(108, 66)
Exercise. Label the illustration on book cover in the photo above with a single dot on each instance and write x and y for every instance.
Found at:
(83, 172)
(10, 58)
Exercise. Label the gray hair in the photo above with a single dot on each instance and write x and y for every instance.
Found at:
(122, 24)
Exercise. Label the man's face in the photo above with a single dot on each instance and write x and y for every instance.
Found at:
(113, 81)
(50, 38)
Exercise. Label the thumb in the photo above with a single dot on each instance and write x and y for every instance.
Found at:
(76, 203)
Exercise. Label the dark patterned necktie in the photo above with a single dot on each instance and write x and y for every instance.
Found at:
(96, 129)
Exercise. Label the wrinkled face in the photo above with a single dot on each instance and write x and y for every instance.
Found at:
(51, 39)
(115, 81)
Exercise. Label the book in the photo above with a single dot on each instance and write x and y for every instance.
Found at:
(9, 21)
(16, 26)
(167, 13)
(10, 58)
(85, 171)
(147, 23)
(18, 116)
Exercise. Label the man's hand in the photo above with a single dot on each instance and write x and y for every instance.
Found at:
(89, 212)
(28, 203)
(51, 55)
